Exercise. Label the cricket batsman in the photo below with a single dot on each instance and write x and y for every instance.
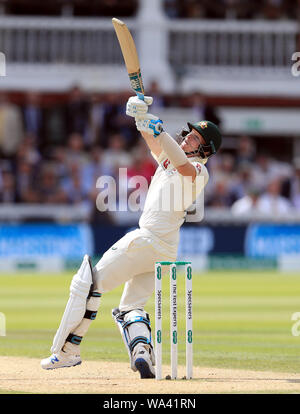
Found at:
(132, 259)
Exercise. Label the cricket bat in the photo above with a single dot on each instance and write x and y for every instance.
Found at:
(130, 57)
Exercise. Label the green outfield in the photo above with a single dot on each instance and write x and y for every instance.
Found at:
(241, 319)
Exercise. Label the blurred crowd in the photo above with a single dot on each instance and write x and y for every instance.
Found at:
(233, 9)
(208, 9)
(105, 8)
(54, 154)
(253, 182)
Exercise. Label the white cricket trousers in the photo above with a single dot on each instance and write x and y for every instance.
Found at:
(132, 260)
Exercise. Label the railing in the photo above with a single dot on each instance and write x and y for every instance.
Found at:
(240, 44)
(81, 213)
(55, 212)
(191, 43)
(59, 40)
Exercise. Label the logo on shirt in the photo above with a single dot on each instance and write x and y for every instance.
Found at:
(166, 163)
(198, 167)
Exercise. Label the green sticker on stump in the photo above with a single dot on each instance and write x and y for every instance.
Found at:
(158, 273)
(174, 273)
(189, 273)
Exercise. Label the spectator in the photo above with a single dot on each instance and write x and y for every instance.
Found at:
(201, 110)
(96, 120)
(272, 203)
(172, 8)
(244, 181)
(58, 156)
(291, 10)
(221, 197)
(223, 178)
(11, 128)
(73, 186)
(240, 9)
(5, 165)
(194, 9)
(116, 156)
(77, 113)
(265, 169)
(140, 168)
(8, 193)
(142, 163)
(215, 9)
(110, 112)
(75, 153)
(55, 125)
(27, 150)
(94, 169)
(33, 117)
(294, 185)
(123, 124)
(158, 99)
(49, 190)
(26, 189)
(116, 7)
(245, 150)
(230, 9)
(246, 205)
(273, 9)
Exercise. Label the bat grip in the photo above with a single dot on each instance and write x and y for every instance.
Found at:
(140, 95)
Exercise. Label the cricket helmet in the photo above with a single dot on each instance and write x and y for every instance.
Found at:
(212, 137)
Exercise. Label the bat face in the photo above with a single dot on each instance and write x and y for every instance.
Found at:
(130, 56)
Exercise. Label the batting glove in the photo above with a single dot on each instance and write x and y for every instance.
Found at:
(136, 107)
(149, 123)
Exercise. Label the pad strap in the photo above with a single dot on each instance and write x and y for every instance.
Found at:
(94, 294)
(74, 339)
(139, 340)
(90, 314)
(136, 319)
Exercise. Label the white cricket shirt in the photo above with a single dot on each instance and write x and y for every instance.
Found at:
(169, 195)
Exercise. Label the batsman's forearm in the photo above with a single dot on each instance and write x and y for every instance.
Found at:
(175, 154)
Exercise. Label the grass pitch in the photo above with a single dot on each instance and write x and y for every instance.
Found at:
(240, 319)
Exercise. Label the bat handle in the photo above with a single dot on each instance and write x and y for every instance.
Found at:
(140, 95)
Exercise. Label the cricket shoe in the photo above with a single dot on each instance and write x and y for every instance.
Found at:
(61, 360)
(143, 363)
